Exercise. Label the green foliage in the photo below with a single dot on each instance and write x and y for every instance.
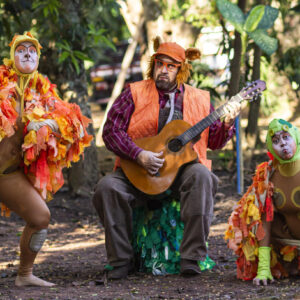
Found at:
(188, 11)
(270, 102)
(49, 7)
(232, 13)
(254, 18)
(269, 17)
(254, 24)
(74, 55)
(175, 12)
(98, 36)
(70, 32)
(268, 44)
(203, 77)
(84, 33)
(290, 64)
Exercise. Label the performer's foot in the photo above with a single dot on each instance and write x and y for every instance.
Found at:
(120, 272)
(189, 267)
(31, 280)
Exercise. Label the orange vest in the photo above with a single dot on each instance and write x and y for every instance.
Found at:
(144, 120)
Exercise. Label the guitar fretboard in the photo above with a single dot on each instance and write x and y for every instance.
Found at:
(198, 128)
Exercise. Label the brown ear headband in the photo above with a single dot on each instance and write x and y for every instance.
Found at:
(192, 54)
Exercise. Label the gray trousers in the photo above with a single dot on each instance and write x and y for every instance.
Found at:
(114, 198)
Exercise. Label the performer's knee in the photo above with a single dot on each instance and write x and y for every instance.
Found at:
(40, 220)
(103, 187)
(205, 176)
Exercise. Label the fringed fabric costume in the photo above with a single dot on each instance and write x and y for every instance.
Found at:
(275, 193)
(45, 151)
(39, 135)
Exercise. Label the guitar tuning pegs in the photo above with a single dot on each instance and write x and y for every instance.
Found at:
(256, 97)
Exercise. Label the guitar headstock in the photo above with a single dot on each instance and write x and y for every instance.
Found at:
(252, 90)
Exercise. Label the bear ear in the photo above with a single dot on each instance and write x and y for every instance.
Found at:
(156, 42)
(192, 53)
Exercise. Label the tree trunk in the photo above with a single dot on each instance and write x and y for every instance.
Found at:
(234, 87)
(84, 174)
(252, 128)
(251, 132)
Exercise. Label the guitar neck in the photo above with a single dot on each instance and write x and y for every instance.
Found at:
(198, 128)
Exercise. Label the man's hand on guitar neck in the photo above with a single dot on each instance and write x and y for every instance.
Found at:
(151, 161)
(232, 111)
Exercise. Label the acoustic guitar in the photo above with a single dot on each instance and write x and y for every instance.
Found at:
(175, 142)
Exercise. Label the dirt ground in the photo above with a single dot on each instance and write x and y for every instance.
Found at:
(74, 257)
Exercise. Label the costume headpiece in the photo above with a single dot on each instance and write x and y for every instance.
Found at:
(24, 78)
(282, 125)
(18, 39)
(177, 53)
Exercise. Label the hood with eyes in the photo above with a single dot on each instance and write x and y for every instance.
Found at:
(282, 125)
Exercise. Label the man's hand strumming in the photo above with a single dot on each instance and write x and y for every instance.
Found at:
(151, 161)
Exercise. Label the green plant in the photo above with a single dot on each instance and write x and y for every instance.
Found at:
(290, 64)
(253, 25)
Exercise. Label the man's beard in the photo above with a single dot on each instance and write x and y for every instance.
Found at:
(164, 85)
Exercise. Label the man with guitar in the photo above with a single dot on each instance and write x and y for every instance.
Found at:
(162, 103)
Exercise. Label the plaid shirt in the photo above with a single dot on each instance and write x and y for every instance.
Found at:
(115, 134)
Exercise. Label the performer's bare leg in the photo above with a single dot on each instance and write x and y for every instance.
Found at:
(18, 194)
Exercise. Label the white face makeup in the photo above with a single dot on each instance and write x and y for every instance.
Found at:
(284, 145)
(26, 58)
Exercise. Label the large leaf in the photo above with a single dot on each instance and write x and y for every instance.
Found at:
(268, 18)
(232, 13)
(254, 18)
(266, 43)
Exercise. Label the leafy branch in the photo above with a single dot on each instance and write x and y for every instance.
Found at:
(254, 24)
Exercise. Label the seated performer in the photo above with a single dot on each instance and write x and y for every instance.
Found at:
(39, 135)
(264, 229)
(142, 110)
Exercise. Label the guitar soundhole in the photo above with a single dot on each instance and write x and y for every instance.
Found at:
(175, 145)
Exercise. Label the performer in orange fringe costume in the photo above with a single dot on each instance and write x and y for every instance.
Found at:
(39, 135)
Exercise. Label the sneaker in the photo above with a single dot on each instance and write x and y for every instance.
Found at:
(189, 267)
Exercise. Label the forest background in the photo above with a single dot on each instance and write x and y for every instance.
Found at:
(240, 41)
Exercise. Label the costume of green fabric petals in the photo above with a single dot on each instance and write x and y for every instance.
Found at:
(157, 235)
(282, 125)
